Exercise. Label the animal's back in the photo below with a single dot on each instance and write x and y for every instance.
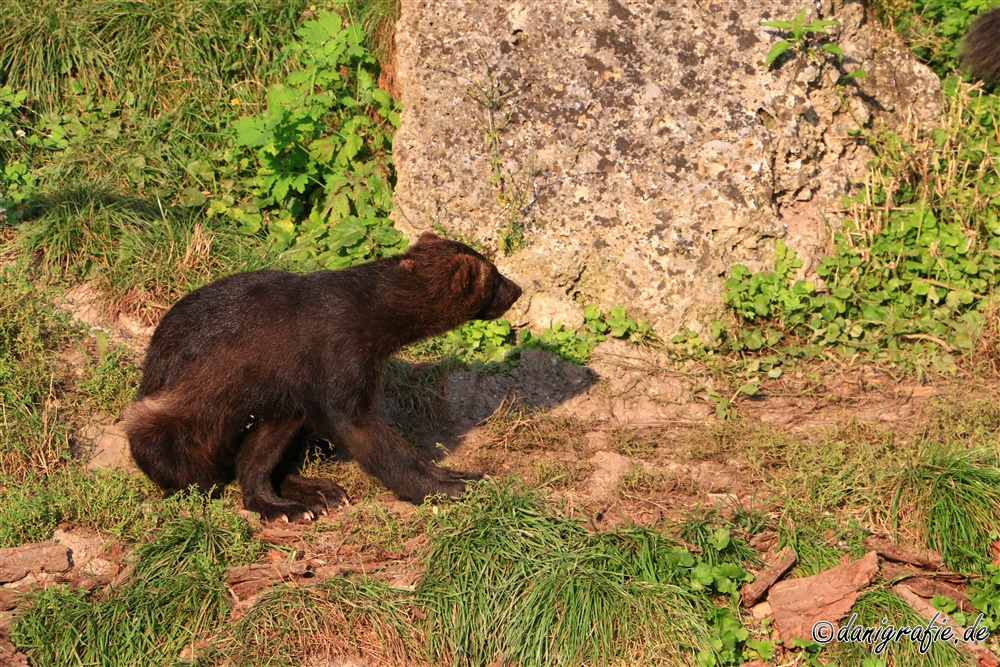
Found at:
(227, 313)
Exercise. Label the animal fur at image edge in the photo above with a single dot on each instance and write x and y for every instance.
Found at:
(981, 50)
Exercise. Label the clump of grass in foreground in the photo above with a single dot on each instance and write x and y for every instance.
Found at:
(350, 616)
(951, 497)
(872, 607)
(175, 593)
(508, 575)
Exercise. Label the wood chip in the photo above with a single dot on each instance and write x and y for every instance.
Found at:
(925, 558)
(17, 562)
(271, 571)
(798, 604)
(775, 569)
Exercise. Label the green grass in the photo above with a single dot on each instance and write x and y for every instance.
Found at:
(138, 97)
(507, 575)
(875, 605)
(175, 593)
(34, 435)
(936, 488)
(141, 255)
(952, 498)
(190, 54)
(344, 616)
(111, 502)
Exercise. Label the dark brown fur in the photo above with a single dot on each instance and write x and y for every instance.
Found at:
(241, 371)
(981, 51)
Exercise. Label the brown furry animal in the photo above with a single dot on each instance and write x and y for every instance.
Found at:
(240, 372)
(981, 50)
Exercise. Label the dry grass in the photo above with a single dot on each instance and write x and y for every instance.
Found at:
(513, 428)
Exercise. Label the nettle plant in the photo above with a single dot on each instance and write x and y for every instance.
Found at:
(323, 147)
(808, 39)
(802, 37)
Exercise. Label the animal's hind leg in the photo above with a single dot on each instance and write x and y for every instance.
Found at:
(172, 447)
(260, 453)
(316, 493)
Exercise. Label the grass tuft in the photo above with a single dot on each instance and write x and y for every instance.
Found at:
(506, 575)
(175, 593)
(952, 498)
(353, 616)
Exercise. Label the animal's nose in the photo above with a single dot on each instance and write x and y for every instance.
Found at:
(517, 290)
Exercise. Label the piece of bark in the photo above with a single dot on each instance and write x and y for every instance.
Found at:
(925, 558)
(275, 535)
(896, 571)
(17, 562)
(325, 572)
(977, 650)
(9, 655)
(775, 569)
(8, 599)
(764, 540)
(271, 571)
(247, 589)
(798, 604)
(926, 587)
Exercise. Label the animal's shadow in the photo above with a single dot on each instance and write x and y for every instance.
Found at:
(435, 405)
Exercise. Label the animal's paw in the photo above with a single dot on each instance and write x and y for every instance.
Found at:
(452, 483)
(313, 492)
(283, 511)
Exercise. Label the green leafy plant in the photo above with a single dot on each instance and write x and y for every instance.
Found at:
(802, 37)
(934, 29)
(946, 605)
(917, 262)
(323, 148)
(984, 594)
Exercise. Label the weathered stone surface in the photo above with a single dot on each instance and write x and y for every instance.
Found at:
(108, 446)
(17, 562)
(645, 144)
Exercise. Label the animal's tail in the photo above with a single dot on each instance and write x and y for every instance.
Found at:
(981, 52)
(164, 443)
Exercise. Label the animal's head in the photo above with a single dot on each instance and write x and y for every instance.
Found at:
(467, 285)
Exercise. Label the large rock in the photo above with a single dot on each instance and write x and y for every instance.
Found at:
(645, 143)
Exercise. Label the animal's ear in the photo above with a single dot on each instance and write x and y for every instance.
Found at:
(464, 274)
(427, 237)
(406, 264)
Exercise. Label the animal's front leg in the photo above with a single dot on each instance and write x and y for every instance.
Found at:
(384, 454)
